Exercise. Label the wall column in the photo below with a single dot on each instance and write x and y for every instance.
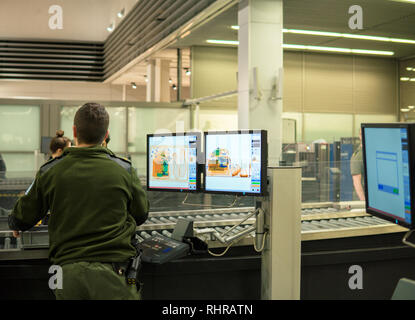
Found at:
(260, 63)
(158, 74)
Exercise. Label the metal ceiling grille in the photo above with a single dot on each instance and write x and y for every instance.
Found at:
(148, 22)
(145, 25)
(40, 60)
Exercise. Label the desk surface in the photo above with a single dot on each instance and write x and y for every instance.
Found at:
(23, 254)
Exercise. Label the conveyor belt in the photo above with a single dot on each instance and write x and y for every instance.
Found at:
(317, 223)
(15, 184)
(11, 189)
(325, 222)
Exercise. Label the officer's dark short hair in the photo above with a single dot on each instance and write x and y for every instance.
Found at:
(91, 122)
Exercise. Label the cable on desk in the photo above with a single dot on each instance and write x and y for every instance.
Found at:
(405, 239)
(220, 254)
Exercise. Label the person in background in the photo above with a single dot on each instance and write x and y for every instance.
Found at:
(106, 141)
(58, 144)
(357, 170)
(96, 201)
(2, 168)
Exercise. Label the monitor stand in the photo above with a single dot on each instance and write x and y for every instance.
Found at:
(281, 256)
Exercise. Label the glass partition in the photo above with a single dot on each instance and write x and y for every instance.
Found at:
(19, 137)
(67, 115)
(146, 120)
(218, 119)
(19, 128)
(329, 181)
(326, 168)
(15, 162)
(371, 118)
(327, 126)
(139, 162)
(296, 118)
(142, 121)
(322, 144)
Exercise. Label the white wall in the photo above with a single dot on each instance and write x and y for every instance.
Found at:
(328, 95)
(74, 90)
(407, 92)
(62, 90)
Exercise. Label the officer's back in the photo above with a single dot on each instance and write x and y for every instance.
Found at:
(90, 192)
(95, 201)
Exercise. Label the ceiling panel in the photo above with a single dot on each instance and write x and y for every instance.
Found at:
(380, 18)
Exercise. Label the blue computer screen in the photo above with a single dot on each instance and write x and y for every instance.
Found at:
(233, 162)
(172, 162)
(387, 168)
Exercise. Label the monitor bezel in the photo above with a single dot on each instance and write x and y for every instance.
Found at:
(198, 152)
(264, 163)
(410, 131)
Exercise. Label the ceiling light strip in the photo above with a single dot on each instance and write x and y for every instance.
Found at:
(313, 48)
(349, 35)
(343, 35)
(230, 42)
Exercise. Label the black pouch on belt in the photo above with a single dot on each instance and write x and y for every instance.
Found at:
(133, 269)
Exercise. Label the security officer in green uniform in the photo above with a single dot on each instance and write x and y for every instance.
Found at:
(357, 170)
(95, 201)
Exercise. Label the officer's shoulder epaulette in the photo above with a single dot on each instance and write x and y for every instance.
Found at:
(123, 162)
(51, 163)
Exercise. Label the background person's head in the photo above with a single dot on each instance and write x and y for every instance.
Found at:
(58, 144)
(106, 141)
(90, 124)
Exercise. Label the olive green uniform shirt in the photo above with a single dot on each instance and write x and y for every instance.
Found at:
(356, 164)
(95, 201)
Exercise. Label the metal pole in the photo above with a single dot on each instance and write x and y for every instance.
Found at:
(179, 74)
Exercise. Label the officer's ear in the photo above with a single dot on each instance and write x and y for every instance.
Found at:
(75, 134)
